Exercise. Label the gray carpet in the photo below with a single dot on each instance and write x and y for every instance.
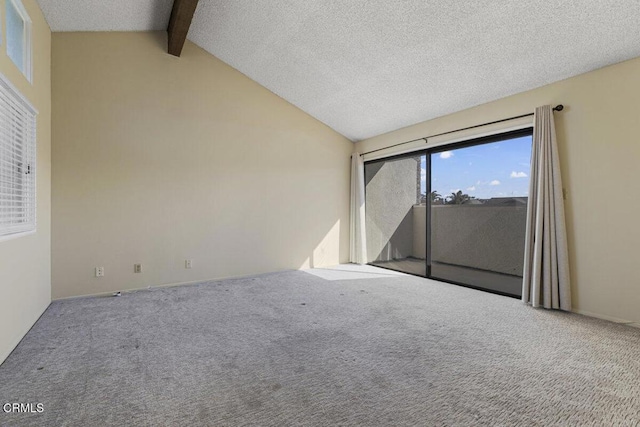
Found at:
(321, 348)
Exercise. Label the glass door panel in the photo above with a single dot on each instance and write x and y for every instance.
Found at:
(396, 213)
(478, 213)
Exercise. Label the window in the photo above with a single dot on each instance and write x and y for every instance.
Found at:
(19, 36)
(17, 162)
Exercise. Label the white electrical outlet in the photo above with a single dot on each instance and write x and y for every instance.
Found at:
(137, 268)
(188, 263)
(99, 271)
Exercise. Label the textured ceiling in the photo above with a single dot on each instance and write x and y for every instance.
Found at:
(107, 15)
(366, 67)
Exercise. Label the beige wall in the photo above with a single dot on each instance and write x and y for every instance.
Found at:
(599, 134)
(25, 262)
(160, 159)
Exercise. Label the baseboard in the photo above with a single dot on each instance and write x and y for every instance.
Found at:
(609, 318)
(170, 285)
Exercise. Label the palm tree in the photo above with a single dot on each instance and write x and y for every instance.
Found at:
(457, 198)
(436, 198)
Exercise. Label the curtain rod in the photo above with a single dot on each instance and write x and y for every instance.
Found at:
(558, 107)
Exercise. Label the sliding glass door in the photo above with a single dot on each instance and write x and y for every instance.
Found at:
(454, 213)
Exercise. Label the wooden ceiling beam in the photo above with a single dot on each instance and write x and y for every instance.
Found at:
(179, 23)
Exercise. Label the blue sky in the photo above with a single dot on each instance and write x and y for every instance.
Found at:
(499, 169)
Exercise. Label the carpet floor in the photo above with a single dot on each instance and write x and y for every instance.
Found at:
(344, 346)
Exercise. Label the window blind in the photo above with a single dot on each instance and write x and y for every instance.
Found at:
(17, 162)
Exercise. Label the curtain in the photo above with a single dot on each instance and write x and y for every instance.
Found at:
(358, 251)
(546, 262)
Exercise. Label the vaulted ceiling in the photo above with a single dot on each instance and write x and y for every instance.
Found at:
(366, 67)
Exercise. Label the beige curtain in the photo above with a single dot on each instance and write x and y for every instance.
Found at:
(546, 263)
(358, 251)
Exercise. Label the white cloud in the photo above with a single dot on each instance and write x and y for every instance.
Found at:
(472, 188)
(515, 174)
(446, 155)
(494, 182)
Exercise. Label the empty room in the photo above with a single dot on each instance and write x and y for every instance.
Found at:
(355, 213)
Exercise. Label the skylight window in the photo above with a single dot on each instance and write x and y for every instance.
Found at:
(19, 36)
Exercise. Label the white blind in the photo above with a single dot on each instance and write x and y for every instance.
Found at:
(17, 161)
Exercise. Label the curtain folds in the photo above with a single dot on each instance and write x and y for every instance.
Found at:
(546, 279)
(358, 238)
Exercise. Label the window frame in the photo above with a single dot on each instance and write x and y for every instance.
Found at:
(26, 38)
(30, 143)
